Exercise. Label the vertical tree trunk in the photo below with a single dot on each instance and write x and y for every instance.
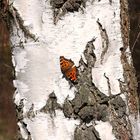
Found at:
(8, 126)
(93, 96)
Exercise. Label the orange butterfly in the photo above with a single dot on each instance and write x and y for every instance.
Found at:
(68, 69)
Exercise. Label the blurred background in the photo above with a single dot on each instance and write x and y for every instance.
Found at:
(8, 127)
(134, 11)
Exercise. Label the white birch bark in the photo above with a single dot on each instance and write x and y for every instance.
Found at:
(37, 64)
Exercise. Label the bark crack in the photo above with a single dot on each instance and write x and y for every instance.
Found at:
(20, 23)
(105, 40)
(108, 83)
(61, 7)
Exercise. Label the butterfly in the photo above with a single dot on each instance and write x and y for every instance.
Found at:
(68, 69)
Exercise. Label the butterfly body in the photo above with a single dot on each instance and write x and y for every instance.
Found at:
(68, 69)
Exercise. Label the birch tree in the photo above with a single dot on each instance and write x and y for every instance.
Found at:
(101, 102)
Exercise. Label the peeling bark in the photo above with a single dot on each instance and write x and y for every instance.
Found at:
(90, 105)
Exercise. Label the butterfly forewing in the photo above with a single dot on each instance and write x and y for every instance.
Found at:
(65, 64)
(68, 69)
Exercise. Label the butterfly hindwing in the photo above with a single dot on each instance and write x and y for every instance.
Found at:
(71, 74)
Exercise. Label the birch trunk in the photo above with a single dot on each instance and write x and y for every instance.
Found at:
(103, 105)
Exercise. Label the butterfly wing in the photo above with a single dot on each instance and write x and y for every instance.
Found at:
(71, 74)
(65, 64)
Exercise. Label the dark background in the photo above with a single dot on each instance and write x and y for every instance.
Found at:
(8, 125)
(134, 11)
